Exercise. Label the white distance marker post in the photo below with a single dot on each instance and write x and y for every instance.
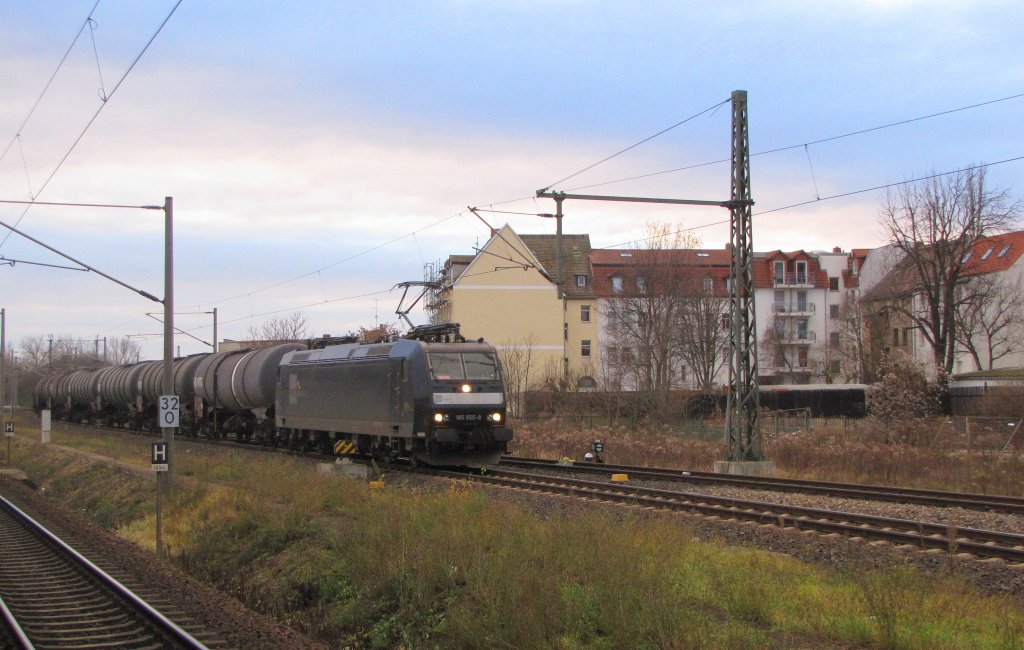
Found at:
(44, 426)
(169, 411)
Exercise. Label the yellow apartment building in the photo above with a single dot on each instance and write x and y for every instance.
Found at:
(508, 294)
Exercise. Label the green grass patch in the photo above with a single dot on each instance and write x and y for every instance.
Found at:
(454, 568)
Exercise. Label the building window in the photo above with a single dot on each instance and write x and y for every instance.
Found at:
(833, 283)
(834, 368)
(585, 348)
(780, 271)
(641, 284)
(833, 340)
(617, 284)
(966, 257)
(988, 252)
(682, 373)
(833, 311)
(1003, 251)
(801, 272)
(709, 285)
(565, 331)
(896, 337)
(581, 280)
(906, 335)
(584, 313)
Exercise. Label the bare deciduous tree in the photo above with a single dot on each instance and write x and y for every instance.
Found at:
(704, 340)
(990, 319)
(280, 328)
(121, 350)
(516, 365)
(934, 224)
(854, 351)
(644, 316)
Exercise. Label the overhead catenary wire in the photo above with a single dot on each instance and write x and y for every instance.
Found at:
(95, 115)
(635, 145)
(249, 294)
(832, 197)
(49, 81)
(802, 144)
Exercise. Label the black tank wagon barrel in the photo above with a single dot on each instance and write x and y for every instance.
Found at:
(438, 401)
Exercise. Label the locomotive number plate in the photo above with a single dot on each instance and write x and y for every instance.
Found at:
(469, 417)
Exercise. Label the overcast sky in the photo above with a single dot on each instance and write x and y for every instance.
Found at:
(320, 152)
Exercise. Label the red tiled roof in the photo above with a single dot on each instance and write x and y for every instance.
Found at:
(989, 248)
(764, 272)
(631, 264)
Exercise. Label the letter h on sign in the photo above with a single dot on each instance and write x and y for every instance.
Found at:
(159, 457)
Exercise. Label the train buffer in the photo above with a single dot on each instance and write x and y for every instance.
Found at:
(344, 448)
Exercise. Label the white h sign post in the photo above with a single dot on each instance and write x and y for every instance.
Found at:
(159, 460)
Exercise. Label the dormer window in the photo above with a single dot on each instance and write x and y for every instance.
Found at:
(709, 285)
(617, 284)
(641, 284)
(581, 281)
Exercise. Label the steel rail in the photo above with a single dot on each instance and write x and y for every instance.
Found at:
(971, 501)
(12, 626)
(953, 539)
(162, 624)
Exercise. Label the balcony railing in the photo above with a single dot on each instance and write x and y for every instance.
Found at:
(809, 367)
(790, 310)
(793, 280)
(798, 338)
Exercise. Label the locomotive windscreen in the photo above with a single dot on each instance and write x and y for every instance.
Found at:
(463, 365)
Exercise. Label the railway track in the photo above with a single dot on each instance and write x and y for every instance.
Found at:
(983, 502)
(53, 597)
(982, 544)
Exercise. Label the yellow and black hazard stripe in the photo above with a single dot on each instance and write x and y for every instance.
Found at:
(344, 448)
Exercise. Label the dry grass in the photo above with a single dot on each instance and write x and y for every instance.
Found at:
(858, 455)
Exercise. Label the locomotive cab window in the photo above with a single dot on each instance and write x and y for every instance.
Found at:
(480, 365)
(463, 365)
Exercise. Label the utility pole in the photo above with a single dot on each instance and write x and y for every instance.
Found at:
(169, 320)
(3, 369)
(745, 452)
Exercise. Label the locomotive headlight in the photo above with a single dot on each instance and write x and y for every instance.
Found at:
(466, 388)
(439, 417)
(495, 417)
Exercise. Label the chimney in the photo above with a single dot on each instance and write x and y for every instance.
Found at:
(837, 250)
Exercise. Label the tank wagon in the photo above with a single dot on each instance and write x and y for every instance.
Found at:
(432, 401)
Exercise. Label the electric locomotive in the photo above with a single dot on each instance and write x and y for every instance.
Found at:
(439, 403)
